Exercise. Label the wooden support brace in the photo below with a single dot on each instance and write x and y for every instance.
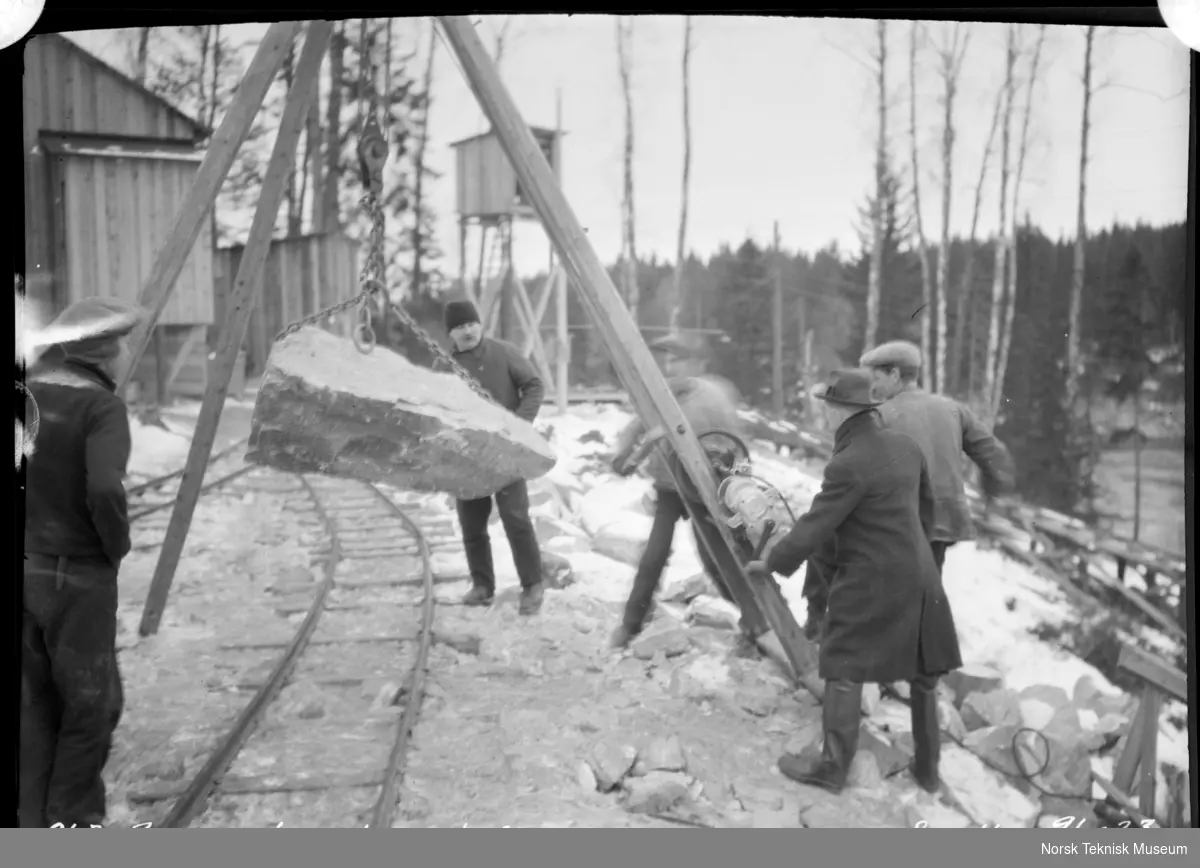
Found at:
(218, 159)
(1150, 669)
(630, 355)
(240, 304)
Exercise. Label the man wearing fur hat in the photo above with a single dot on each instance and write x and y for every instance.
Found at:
(888, 618)
(76, 534)
(513, 382)
(708, 403)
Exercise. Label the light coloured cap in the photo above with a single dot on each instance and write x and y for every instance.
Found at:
(92, 318)
(901, 354)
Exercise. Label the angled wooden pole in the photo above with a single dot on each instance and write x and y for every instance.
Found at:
(218, 159)
(630, 355)
(241, 303)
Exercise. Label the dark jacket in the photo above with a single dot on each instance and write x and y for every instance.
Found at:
(946, 431)
(506, 375)
(888, 618)
(707, 404)
(75, 504)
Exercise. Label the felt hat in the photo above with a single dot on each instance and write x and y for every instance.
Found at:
(671, 345)
(848, 388)
(459, 313)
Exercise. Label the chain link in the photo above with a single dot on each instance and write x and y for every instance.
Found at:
(374, 294)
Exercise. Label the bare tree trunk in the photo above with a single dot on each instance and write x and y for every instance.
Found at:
(922, 246)
(680, 245)
(952, 61)
(1010, 311)
(1074, 360)
(629, 245)
(501, 42)
(294, 201)
(993, 351)
(1137, 463)
(875, 270)
(312, 143)
(212, 115)
(142, 64)
(962, 306)
(418, 242)
(330, 210)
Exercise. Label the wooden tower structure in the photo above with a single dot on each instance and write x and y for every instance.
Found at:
(490, 202)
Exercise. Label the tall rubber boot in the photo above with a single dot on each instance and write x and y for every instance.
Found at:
(841, 715)
(927, 736)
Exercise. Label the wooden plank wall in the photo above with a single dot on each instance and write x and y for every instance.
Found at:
(301, 276)
(67, 90)
(487, 183)
(115, 216)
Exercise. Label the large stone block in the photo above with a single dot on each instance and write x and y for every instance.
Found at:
(324, 407)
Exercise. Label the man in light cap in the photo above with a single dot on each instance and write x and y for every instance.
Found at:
(513, 382)
(708, 403)
(76, 534)
(946, 430)
(888, 618)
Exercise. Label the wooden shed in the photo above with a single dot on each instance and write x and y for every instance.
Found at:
(107, 166)
(487, 186)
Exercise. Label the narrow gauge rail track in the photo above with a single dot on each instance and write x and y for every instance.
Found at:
(346, 523)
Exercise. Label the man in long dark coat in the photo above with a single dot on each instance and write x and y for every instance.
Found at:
(508, 377)
(76, 535)
(888, 618)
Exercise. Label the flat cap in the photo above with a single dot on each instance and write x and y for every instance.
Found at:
(902, 354)
(92, 318)
(672, 344)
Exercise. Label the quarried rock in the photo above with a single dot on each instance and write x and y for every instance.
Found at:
(656, 792)
(611, 762)
(972, 679)
(671, 643)
(661, 755)
(713, 612)
(689, 589)
(323, 407)
(981, 791)
(994, 708)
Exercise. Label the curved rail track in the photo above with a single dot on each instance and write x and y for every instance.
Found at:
(346, 523)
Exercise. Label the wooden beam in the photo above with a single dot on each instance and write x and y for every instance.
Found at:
(533, 332)
(563, 358)
(234, 332)
(630, 355)
(195, 335)
(218, 159)
(1153, 671)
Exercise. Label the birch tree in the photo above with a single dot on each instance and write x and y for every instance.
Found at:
(680, 245)
(951, 58)
(875, 271)
(967, 277)
(919, 224)
(993, 350)
(1077, 418)
(330, 209)
(624, 27)
(1011, 273)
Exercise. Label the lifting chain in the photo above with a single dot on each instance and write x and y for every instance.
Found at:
(372, 155)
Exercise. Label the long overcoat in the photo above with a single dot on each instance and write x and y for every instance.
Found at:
(888, 618)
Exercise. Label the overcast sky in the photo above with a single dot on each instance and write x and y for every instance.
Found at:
(784, 122)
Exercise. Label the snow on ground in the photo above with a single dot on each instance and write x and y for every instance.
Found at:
(600, 522)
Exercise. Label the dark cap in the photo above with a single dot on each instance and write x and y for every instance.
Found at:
(459, 313)
(848, 388)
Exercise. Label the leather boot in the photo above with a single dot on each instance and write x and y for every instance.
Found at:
(841, 715)
(927, 736)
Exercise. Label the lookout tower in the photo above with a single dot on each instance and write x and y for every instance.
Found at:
(489, 202)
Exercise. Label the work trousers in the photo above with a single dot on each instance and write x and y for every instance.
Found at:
(513, 504)
(71, 695)
(669, 510)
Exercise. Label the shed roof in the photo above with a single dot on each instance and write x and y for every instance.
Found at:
(537, 131)
(199, 130)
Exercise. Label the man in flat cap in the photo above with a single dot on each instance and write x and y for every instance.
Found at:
(708, 403)
(888, 618)
(946, 430)
(76, 535)
(513, 382)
